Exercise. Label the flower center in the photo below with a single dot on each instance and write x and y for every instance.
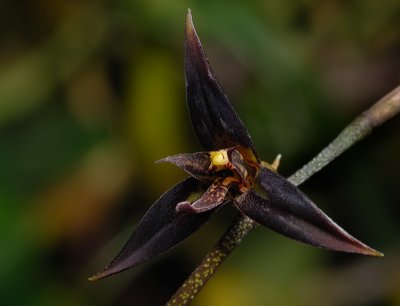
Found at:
(240, 172)
(219, 159)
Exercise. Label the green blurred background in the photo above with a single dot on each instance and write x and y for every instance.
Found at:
(92, 93)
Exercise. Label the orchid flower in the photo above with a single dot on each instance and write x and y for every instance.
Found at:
(227, 172)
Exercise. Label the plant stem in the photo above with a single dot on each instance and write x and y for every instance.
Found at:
(240, 227)
(359, 128)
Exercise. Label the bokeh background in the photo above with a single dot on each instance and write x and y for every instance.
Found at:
(92, 93)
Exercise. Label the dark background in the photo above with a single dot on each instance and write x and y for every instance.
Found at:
(92, 93)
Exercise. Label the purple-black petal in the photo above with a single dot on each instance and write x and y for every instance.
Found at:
(196, 164)
(215, 122)
(161, 228)
(279, 205)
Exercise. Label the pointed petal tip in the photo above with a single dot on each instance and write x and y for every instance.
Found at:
(174, 159)
(189, 18)
(108, 271)
(169, 160)
(103, 274)
(95, 277)
(372, 252)
(358, 247)
(162, 160)
(190, 29)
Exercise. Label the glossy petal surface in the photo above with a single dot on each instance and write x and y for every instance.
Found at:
(215, 122)
(279, 205)
(161, 228)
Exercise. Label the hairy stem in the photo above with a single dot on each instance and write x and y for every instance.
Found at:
(377, 114)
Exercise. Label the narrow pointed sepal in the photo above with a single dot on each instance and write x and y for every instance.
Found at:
(282, 207)
(215, 122)
(196, 164)
(160, 229)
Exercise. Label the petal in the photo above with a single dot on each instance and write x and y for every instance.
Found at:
(215, 122)
(281, 206)
(213, 197)
(196, 164)
(160, 229)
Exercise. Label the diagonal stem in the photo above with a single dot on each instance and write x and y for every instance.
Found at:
(239, 228)
(384, 109)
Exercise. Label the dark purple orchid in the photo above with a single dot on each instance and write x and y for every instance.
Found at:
(229, 171)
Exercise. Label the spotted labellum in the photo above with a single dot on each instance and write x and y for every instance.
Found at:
(227, 172)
